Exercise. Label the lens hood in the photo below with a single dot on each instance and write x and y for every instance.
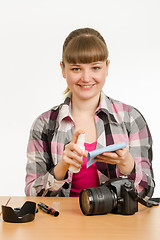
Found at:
(19, 215)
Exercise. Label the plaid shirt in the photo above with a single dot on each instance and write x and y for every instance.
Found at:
(115, 122)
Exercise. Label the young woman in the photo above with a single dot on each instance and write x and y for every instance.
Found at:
(52, 145)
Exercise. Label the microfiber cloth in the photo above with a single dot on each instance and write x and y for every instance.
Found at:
(110, 148)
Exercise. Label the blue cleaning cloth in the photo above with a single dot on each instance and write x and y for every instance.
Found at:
(110, 148)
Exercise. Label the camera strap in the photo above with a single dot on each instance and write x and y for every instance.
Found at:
(148, 203)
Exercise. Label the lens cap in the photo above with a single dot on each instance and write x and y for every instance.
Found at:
(19, 215)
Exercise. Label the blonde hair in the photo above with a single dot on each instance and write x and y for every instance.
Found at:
(84, 45)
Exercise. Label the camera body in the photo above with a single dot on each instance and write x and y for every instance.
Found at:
(126, 205)
(113, 196)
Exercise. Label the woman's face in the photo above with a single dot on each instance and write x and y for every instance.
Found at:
(85, 80)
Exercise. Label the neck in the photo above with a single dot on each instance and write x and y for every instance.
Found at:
(88, 106)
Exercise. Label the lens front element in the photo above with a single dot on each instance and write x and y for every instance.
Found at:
(86, 201)
(99, 200)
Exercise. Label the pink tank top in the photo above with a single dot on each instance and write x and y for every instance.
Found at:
(86, 177)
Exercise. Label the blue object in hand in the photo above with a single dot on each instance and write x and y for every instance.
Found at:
(110, 148)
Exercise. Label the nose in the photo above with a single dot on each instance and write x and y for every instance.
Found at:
(86, 76)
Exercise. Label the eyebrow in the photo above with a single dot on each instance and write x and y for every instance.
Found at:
(95, 63)
(75, 65)
(78, 65)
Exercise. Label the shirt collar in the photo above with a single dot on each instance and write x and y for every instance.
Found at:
(65, 109)
(105, 106)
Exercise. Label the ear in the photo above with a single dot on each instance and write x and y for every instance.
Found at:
(63, 69)
(107, 63)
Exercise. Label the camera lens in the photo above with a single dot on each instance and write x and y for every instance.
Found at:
(98, 200)
(86, 201)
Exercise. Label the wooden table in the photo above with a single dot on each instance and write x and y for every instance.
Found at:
(72, 224)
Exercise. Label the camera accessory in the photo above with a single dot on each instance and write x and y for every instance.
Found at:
(48, 210)
(110, 148)
(97, 201)
(115, 196)
(19, 215)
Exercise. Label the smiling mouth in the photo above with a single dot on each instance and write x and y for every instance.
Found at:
(86, 86)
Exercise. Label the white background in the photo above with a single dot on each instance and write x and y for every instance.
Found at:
(31, 37)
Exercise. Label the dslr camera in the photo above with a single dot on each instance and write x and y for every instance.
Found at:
(115, 196)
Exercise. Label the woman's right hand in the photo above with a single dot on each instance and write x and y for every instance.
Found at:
(72, 155)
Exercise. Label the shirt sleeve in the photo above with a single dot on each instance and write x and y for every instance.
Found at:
(39, 168)
(140, 147)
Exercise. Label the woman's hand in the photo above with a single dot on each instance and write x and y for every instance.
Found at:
(73, 152)
(121, 157)
(72, 155)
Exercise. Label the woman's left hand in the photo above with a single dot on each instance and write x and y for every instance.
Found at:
(121, 157)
